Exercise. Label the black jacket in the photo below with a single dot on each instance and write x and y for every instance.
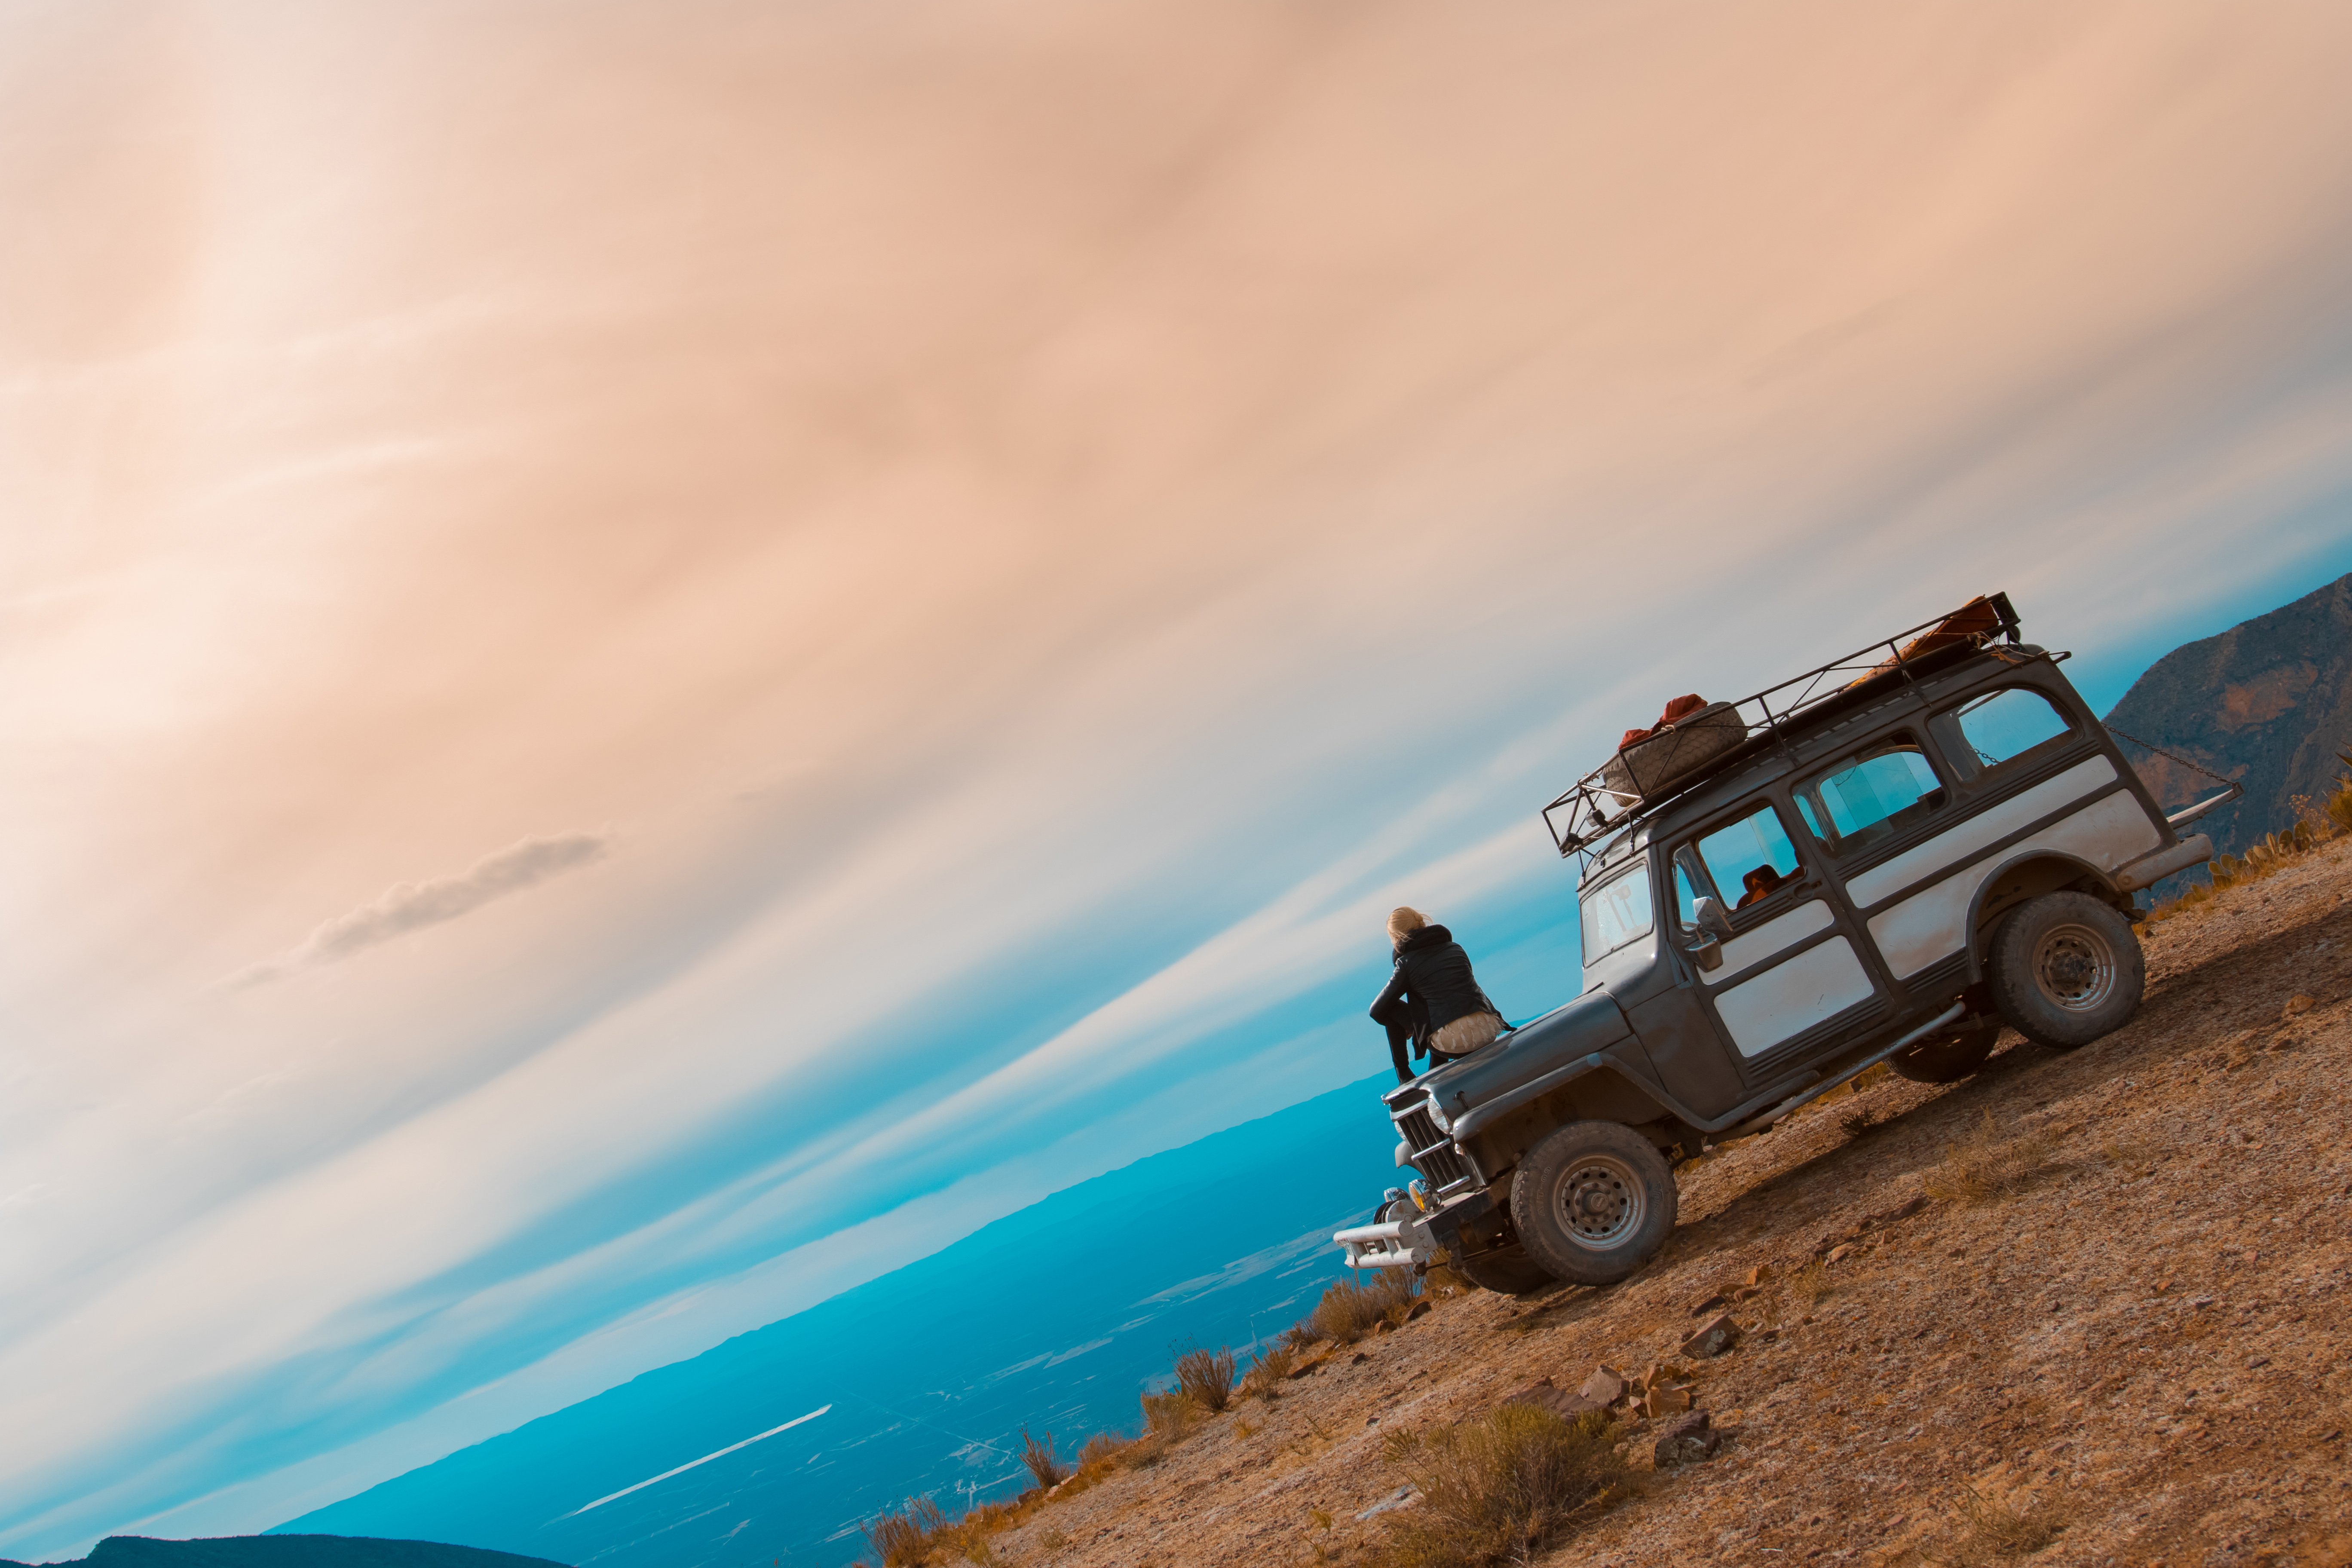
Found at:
(1433, 986)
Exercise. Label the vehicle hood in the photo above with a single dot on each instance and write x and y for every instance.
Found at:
(1590, 1025)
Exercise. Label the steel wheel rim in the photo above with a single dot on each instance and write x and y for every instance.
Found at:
(2074, 966)
(1599, 1202)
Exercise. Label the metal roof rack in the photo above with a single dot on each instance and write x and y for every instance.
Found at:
(1594, 808)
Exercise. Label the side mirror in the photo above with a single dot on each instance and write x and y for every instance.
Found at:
(1709, 917)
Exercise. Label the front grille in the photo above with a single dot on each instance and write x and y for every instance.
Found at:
(1433, 1151)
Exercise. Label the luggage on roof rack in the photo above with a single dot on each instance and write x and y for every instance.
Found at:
(1691, 742)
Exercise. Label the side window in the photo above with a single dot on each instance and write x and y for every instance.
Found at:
(1749, 861)
(1871, 796)
(1616, 913)
(2007, 724)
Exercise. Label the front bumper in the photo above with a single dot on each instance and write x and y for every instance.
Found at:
(1414, 1240)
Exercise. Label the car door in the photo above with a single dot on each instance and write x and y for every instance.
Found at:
(1794, 980)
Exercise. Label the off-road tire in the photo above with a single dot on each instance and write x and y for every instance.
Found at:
(1954, 1056)
(1506, 1272)
(1594, 1202)
(2066, 968)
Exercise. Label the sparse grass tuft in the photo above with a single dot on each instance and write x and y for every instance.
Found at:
(1348, 1310)
(903, 1538)
(1495, 1490)
(1167, 1419)
(1268, 1368)
(2274, 852)
(1985, 1164)
(1207, 1376)
(1858, 1122)
(1048, 1470)
(1104, 1452)
(1995, 1532)
(1808, 1287)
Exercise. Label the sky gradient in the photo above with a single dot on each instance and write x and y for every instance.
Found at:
(658, 657)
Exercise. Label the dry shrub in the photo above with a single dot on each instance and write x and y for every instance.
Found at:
(1855, 1123)
(1207, 1376)
(1167, 1419)
(1998, 1532)
(1102, 1453)
(903, 1538)
(1054, 1540)
(1268, 1368)
(1348, 1310)
(1810, 1285)
(2274, 852)
(1984, 1165)
(1494, 1491)
(1048, 1470)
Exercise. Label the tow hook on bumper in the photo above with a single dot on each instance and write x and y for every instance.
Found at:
(1411, 1242)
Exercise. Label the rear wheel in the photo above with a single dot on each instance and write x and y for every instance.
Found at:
(1950, 1058)
(2065, 969)
(1506, 1272)
(1594, 1202)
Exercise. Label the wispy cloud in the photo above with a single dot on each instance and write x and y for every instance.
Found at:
(406, 907)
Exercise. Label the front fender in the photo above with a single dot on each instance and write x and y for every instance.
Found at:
(1556, 1048)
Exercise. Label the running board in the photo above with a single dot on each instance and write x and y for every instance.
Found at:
(1950, 1016)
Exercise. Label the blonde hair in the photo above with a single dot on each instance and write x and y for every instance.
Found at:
(1404, 921)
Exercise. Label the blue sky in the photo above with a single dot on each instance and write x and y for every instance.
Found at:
(658, 664)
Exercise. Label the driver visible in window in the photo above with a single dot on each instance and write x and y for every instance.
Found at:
(1433, 1000)
(1761, 883)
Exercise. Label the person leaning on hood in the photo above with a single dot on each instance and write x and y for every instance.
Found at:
(1433, 999)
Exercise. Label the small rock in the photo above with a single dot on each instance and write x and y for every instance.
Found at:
(1403, 1497)
(1759, 1275)
(1606, 1386)
(1683, 1442)
(1359, 1357)
(1667, 1399)
(1384, 1327)
(2259, 1361)
(1840, 1254)
(1419, 1309)
(1709, 1303)
(1712, 1339)
(2296, 1005)
(1054, 1491)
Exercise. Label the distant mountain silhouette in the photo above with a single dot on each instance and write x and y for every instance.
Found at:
(292, 1552)
(2267, 703)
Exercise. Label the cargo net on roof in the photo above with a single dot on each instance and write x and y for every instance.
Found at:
(1695, 739)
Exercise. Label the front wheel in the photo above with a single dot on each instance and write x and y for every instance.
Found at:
(1594, 1202)
(2066, 968)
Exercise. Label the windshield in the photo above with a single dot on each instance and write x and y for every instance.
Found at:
(1616, 913)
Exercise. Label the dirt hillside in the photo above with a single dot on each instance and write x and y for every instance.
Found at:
(2099, 1294)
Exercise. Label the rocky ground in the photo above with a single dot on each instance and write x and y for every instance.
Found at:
(2137, 1341)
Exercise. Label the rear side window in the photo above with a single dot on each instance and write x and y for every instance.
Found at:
(1616, 913)
(1869, 798)
(1748, 860)
(2008, 724)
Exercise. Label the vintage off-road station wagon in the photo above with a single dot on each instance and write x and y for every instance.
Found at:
(1885, 858)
